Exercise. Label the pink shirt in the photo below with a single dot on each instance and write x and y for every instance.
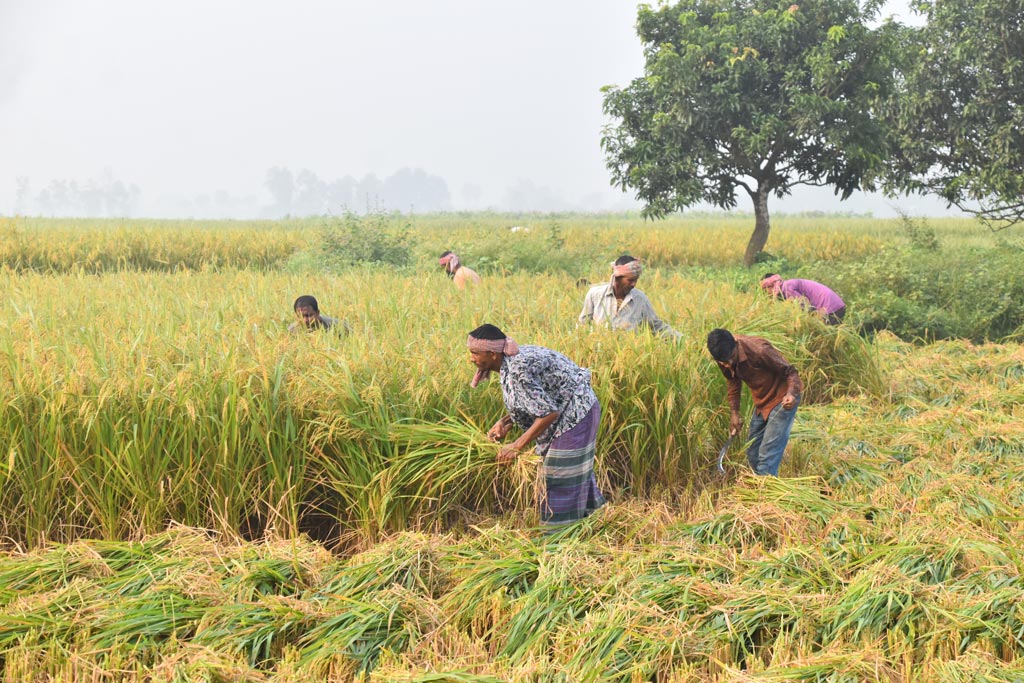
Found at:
(818, 296)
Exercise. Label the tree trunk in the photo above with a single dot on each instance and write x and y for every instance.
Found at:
(761, 227)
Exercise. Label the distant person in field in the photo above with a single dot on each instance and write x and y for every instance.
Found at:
(550, 398)
(459, 273)
(814, 295)
(618, 304)
(775, 387)
(309, 318)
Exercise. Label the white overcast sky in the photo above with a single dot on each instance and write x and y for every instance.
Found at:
(191, 97)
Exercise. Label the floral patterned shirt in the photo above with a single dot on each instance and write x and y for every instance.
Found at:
(537, 382)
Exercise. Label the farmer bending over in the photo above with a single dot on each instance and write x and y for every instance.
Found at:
(774, 385)
(459, 273)
(618, 303)
(814, 295)
(550, 398)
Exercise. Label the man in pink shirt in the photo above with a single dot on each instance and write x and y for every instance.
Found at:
(814, 295)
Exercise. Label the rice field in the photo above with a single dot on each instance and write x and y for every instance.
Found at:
(96, 246)
(189, 493)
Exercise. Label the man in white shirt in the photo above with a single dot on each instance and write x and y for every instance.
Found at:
(620, 305)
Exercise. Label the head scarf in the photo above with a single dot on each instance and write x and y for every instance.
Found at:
(450, 262)
(506, 346)
(631, 269)
(772, 284)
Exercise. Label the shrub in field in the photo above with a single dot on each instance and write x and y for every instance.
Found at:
(543, 249)
(928, 294)
(918, 233)
(378, 238)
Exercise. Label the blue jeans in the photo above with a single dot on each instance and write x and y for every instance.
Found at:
(769, 438)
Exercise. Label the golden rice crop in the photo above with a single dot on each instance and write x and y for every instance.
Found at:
(134, 403)
(137, 399)
(95, 246)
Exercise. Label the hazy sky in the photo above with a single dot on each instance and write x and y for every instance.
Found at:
(190, 97)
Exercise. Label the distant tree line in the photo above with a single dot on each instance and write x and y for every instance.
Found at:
(411, 190)
(302, 193)
(102, 197)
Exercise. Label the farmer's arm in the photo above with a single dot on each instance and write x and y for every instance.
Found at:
(500, 429)
(657, 325)
(587, 314)
(735, 417)
(508, 453)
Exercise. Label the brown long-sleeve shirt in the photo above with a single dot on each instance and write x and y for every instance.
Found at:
(769, 375)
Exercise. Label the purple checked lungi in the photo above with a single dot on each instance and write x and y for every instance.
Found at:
(568, 469)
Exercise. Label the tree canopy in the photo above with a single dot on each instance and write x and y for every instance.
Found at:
(755, 96)
(959, 116)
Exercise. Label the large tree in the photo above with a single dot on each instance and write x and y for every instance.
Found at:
(755, 96)
(959, 115)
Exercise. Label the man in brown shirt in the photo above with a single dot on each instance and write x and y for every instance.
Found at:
(774, 385)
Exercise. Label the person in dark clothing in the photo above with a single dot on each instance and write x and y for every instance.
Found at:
(774, 385)
(309, 318)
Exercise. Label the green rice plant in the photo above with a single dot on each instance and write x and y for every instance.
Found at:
(34, 494)
(797, 569)
(202, 411)
(837, 664)
(749, 623)
(804, 495)
(975, 667)
(98, 246)
(844, 543)
(452, 676)
(137, 401)
(347, 452)
(571, 580)
(193, 663)
(51, 613)
(664, 414)
(260, 576)
(445, 464)
(486, 578)
(623, 641)
(856, 473)
(360, 630)
(257, 630)
(980, 612)
(637, 523)
(547, 607)
(408, 560)
(957, 498)
(682, 240)
(143, 620)
(730, 529)
(881, 602)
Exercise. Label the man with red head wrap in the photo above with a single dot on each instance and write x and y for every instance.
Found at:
(620, 305)
(459, 273)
